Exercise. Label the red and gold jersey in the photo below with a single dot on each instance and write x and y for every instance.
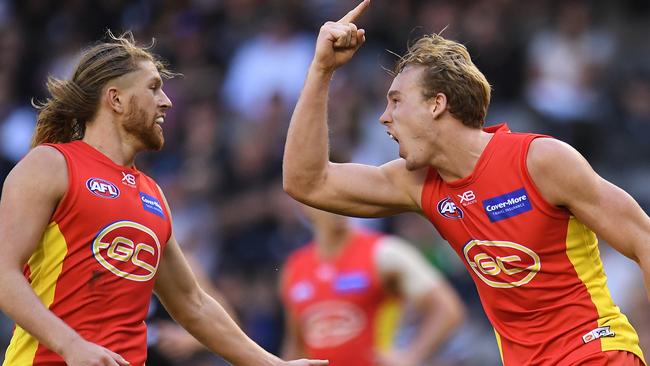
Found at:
(96, 263)
(536, 267)
(343, 312)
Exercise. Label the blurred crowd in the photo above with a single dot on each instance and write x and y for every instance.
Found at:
(578, 70)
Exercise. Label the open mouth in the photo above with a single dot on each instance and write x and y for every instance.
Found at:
(392, 137)
(160, 120)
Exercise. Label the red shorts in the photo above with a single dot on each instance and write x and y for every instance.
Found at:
(611, 358)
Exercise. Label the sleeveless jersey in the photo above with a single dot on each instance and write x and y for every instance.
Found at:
(536, 267)
(343, 313)
(96, 263)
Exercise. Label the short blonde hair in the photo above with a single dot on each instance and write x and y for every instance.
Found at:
(448, 69)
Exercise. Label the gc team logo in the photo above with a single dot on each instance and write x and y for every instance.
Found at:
(129, 250)
(447, 208)
(502, 264)
(102, 188)
(332, 323)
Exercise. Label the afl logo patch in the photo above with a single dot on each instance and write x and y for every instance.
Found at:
(102, 188)
(447, 208)
(128, 250)
(502, 264)
(301, 291)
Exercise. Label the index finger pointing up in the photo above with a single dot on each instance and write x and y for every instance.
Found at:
(355, 13)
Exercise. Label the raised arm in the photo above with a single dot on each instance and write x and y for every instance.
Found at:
(309, 176)
(441, 310)
(30, 195)
(603, 207)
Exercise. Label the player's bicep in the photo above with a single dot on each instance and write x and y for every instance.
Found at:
(603, 207)
(176, 286)
(614, 216)
(560, 173)
(30, 194)
(368, 191)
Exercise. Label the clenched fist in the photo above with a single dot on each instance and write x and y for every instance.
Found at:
(338, 41)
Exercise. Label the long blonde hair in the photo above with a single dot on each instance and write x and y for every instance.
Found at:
(72, 103)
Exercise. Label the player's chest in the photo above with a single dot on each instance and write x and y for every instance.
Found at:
(324, 282)
(118, 195)
(480, 212)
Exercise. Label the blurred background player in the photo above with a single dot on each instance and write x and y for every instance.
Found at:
(344, 292)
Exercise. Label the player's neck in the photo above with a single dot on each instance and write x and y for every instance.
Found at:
(459, 152)
(331, 242)
(104, 136)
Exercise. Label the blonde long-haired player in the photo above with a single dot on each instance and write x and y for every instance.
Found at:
(85, 237)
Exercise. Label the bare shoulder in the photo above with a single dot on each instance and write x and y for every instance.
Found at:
(395, 254)
(549, 152)
(162, 194)
(30, 195)
(391, 251)
(43, 168)
(46, 154)
(397, 168)
(45, 161)
(557, 169)
(409, 181)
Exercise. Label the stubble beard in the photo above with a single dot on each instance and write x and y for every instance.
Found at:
(142, 127)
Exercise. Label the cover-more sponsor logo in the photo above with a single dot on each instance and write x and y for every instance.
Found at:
(507, 205)
(356, 281)
(332, 323)
(151, 204)
(129, 250)
(447, 208)
(102, 188)
(502, 264)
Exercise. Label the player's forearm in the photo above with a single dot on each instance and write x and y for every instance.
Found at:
(306, 153)
(643, 259)
(211, 325)
(441, 316)
(632, 240)
(20, 303)
(290, 350)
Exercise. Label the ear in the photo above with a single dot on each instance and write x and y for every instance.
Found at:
(114, 99)
(438, 105)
